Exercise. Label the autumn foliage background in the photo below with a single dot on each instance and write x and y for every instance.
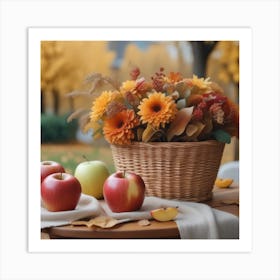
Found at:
(66, 64)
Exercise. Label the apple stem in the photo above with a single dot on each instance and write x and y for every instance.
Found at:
(61, 176)
(85, 157)
(124, 173)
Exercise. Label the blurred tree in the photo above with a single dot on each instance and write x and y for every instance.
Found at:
(229, 61)
(226, 58)
(64, 66)
(201, 52)
(223, 64)
(51, 63)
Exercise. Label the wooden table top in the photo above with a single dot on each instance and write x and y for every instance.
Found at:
(223, 199)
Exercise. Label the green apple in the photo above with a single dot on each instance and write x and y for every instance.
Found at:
(92, 175)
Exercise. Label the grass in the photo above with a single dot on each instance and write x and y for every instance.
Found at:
(70, 155)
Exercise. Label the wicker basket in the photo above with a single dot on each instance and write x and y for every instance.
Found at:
(173, 170)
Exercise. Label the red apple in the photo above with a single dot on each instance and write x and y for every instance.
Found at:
(60, 192)
(49, 167)
(124, 191)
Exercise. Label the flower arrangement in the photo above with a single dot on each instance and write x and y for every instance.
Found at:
(164, 108)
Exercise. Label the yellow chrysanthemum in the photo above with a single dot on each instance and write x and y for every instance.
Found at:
(128, 86)
(100, 104)
(201, 83)
(118, 129)
(157, 110)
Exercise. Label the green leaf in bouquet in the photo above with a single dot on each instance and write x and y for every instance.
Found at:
(222, 136)
(178, 125)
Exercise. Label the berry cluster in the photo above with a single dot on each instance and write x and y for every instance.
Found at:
(158, 80)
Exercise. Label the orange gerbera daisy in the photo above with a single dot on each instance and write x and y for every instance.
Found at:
(100, 104)
(157, 110)
(118, 129)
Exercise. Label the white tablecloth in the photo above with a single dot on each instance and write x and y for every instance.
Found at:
(194, 221)
(87, 206)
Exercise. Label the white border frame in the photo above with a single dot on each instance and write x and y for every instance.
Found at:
(243, 35)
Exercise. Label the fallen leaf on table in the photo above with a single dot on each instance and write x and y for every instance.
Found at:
(144, 223)
(101, 221)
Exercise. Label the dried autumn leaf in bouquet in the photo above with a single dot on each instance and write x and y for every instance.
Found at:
(180, 123)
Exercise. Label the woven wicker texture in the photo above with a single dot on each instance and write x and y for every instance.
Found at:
(173, 170)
